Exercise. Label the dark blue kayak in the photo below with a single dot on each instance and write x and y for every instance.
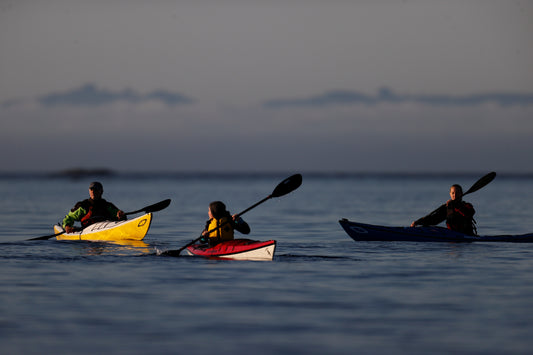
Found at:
(368, 232)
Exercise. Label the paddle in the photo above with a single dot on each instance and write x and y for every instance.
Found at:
(286, 186)
(484, 181)
(148, 209)
(152, 208)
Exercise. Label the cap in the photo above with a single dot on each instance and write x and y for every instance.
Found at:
(95, 185)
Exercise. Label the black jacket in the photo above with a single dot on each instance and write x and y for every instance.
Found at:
(459, 217)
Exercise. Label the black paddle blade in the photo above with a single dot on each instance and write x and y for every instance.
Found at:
(46, 237)
(157, 206)
(153, 208)
(288, 185)
(485, 180)
(174, 253)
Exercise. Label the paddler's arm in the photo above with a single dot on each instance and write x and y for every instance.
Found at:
(71, 217)
(432, 219)
(115, 212)
(240, 225)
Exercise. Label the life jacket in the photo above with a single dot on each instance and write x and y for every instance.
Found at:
(97, 211)
(223, 231)
(460, 217)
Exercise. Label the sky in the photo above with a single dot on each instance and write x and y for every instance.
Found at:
(267, 85)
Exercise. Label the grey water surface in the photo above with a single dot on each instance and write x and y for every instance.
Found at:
(322, 294)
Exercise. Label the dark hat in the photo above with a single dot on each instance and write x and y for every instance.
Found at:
(218, 209)
(95, 185)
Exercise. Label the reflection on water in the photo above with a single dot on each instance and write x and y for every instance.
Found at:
(115, 248)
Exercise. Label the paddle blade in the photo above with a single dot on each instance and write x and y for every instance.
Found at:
(153, 208)
(485, 180)
(157, 206)
(288, 185)
(45, 237)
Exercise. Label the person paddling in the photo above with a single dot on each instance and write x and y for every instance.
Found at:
(459, 215)
(92, 210)
(221, 225)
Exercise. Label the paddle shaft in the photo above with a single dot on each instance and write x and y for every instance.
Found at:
(254, 206)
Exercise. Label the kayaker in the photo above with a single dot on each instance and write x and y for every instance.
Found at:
(92, 210)
(459, 215)
(222, 224)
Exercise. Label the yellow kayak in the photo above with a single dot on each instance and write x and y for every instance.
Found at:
(133, 229)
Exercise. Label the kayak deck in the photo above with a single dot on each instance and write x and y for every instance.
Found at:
(237, 249)
(133, 229)
(369, 232)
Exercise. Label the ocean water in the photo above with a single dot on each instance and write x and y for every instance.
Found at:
(322, 294)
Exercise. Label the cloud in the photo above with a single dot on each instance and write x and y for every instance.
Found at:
(386, 95)
(90, 95)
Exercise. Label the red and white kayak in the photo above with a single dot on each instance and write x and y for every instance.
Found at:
(238, 249)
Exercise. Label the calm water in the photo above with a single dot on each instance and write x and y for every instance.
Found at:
(322, 294)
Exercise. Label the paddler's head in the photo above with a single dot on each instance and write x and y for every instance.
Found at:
(217, 210)
(96, 190)
(456, 192)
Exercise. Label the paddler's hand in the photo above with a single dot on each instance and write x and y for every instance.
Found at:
(70, 229)
(413, 224)
(204, 238)
(121, 215)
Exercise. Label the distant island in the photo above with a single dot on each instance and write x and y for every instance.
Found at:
(78, 173)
